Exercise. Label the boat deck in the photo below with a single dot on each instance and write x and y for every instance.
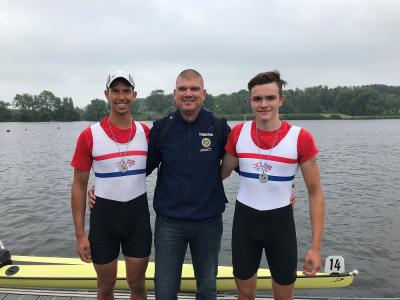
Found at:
(53, 294)
(49, 294)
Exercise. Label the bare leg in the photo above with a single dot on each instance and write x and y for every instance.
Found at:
(135, 275)
(282, 292)
(106, 278)
(246, 288)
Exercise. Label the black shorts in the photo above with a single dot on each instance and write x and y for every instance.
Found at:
(115, 225)
(271, 230)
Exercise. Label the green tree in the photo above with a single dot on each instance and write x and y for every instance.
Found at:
(223, 105)
(48, 107)
(289, 106)
(68, 112)
(158, 102)
(171, 104)
(343, 101)
(240, 102)
(138, 105)
(5, 112)
(96, 110)
(391, 104)
(209, 102)
(327, 98)
(366, 101)
(26, 105)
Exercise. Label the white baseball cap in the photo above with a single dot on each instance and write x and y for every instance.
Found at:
(119, 74)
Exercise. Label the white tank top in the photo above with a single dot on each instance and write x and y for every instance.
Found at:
(280, 164)
(110, 182)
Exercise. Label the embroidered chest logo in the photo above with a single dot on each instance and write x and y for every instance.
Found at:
(126, 164)
(206, 142)
(265, 167)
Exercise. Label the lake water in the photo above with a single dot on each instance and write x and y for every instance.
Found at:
(359, 162)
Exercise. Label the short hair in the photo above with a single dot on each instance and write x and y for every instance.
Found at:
(267, 77)
(190, 74)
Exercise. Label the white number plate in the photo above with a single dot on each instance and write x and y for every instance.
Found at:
(334, 264)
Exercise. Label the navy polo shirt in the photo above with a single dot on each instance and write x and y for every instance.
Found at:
(189, 184)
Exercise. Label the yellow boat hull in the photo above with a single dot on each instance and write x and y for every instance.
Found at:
(72, 273)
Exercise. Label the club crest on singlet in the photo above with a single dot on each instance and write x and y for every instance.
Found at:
(129, 163)
(264, 167)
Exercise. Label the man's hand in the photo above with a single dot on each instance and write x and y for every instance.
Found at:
(83, 249)
(312, 262)
(292, 197)
(91, 197)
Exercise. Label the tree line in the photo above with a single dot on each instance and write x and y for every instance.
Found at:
(368, 100)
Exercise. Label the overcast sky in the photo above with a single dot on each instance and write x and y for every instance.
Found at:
(69, 46)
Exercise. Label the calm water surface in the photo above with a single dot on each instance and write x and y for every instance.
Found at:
(359, 162)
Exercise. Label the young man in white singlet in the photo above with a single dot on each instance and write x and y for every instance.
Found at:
(116, 149)
(268, 152)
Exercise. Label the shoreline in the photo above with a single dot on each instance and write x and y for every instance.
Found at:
(247, 117)
(304, 116)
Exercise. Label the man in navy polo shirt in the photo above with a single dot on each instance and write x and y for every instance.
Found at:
(189, 197)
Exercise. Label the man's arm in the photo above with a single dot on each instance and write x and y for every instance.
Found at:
(229, 163)
(310, 171)
(78, 205)
(153, 154)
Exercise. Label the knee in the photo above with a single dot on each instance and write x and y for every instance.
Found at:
(106, 287)
(246, 287)
(282, 293)
(283, 296)
(246, 295)
(246, 292)
(137, 286)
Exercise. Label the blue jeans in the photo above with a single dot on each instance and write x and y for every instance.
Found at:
(171, 238)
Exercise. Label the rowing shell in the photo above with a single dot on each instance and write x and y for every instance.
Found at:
(72, 273)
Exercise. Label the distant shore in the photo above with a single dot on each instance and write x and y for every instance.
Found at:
(246, 117)
(306, 116)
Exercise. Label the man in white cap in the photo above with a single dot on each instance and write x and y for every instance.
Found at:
(116, 150)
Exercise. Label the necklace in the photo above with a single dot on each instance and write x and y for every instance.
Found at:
(123, 164)
(263, 177)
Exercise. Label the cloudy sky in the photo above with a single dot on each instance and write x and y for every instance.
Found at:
(69, 46)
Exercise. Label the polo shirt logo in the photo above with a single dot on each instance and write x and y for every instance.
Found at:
(206, 142)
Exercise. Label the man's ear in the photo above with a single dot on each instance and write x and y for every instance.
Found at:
(282, 99)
